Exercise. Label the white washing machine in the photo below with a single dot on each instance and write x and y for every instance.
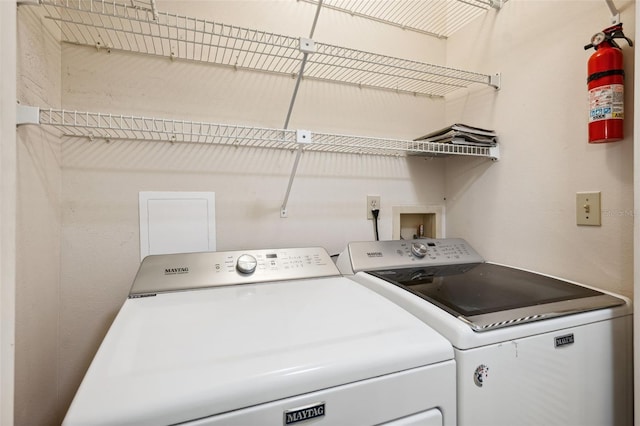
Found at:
(263, 337)
(530, 349)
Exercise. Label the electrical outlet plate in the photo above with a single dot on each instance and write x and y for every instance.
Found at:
(588, 209)
(373, 202)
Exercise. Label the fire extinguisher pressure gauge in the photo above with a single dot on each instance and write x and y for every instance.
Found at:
(598, 38)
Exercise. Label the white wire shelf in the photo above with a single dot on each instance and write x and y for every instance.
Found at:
(97, 126)
(437, 18)
(121, 26)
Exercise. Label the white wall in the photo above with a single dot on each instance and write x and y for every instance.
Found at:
(38, 226)
(7, 210)
(636, 244)
(521, 210)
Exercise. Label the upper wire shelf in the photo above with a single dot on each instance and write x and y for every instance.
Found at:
(437, 18)
(121, 26)
(99, 126)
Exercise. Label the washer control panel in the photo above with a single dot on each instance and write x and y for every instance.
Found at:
(175, 272)
(373, 255)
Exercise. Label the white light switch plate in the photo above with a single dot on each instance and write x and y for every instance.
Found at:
(588, 209)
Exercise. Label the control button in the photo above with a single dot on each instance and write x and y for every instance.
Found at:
(418, 249)
(246, 264)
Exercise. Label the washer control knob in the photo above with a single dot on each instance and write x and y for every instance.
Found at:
(246, 264)
(419, 249)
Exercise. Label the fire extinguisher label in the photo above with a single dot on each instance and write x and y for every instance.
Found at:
(606, 102)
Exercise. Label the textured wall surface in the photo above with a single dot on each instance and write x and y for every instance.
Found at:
(521, 211)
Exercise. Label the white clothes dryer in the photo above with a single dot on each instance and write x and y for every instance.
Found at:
(263, 337)
(530, 349)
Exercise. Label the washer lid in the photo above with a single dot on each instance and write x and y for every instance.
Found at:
(488, 296)
(186, 355)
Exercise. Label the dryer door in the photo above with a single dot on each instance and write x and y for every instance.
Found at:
(423, 396)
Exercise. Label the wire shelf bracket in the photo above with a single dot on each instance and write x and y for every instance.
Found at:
(495, 81)
(27, 115)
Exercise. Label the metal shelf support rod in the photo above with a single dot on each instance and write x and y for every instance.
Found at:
(306, 48)
(615, 13)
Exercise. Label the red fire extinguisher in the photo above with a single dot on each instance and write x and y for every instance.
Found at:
(606, 86)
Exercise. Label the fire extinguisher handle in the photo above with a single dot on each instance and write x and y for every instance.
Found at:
(617, 33)
(626, 38)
